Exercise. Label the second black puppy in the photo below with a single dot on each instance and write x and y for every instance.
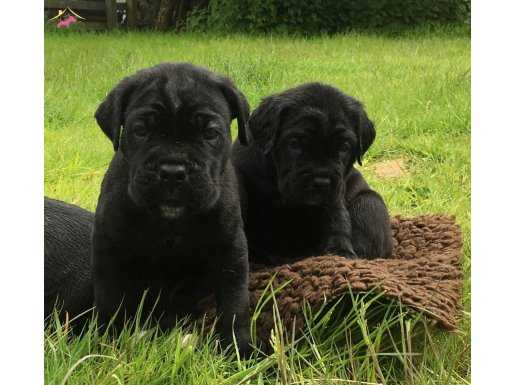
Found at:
(168, 218)
(302, 194)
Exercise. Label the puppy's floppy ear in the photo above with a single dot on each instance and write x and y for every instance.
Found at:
(265, 121)
(366, 134)
(239, 108)
(363, 127)
(110, 113)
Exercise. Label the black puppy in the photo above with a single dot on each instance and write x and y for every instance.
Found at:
(303, 195)
(68, 284)
(168, 219)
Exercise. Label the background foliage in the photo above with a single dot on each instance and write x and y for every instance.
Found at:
(297, 16)
(325, 16)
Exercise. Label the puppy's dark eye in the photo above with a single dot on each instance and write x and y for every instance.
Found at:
(344, 146)
(295, 145)
(210, 133)
(140, 132)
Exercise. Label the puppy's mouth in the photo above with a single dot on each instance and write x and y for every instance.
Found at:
(172, 212)
(309, 191)
(316, 198)
(309, 198)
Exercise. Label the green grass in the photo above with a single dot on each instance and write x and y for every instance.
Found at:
(416, 87)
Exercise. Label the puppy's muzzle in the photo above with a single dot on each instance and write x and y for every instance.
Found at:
(321, 183)
(319, 187)
(173, 173)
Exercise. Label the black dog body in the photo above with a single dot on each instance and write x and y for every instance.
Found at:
(302, 194)
(168, 220)
(68, 283)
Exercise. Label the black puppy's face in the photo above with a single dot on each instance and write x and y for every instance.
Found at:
(314, 134)
(176, 153)
(176, 135)
(312, 157)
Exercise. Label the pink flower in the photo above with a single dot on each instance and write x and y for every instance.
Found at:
(66, 22)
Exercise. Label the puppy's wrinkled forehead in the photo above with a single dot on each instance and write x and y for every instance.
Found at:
(192, 92)
(314, 121)
(177, 96)
(317, 126)
(320, 105)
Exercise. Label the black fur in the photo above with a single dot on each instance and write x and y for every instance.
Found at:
(68, 284)
(168, 218)
(302, 194)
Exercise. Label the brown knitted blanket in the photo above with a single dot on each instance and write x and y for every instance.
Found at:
(424, 274)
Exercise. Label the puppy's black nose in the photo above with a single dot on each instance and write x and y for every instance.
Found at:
(172, 172)
(321, 182)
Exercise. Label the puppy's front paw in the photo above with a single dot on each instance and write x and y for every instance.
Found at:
(242, 340)
(244, 348)
(339, 245)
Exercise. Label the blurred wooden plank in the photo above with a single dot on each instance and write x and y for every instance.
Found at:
(131, 13)
(77, 5)
(93, 26)
(164, 15)
(111, 14)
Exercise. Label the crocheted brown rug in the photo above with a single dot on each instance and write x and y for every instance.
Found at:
(424, 274)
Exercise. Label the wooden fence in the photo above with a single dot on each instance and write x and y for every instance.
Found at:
(98, 14)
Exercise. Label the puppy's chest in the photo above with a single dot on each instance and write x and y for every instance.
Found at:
(166, 245)
(305, 230)
(287, 228)
(178, 249)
